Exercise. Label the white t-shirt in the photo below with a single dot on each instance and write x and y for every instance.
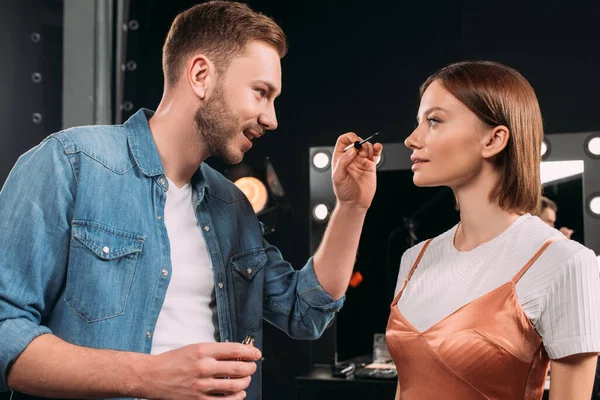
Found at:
(560, 293)
(188, 310)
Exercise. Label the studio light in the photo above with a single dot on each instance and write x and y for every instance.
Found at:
(321, 160)
(320, 212)
(544, 148)
(555, 170)
(255, 191)
(592, 146)
(264, 191)
(594, 205)
(379, 160)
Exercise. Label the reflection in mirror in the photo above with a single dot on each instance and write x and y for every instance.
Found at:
(563, 184)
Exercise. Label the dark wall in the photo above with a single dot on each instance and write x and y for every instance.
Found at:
(30, 106)
(356, 66)
(31, 42)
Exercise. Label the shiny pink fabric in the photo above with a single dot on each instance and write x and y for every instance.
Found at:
(487, 349)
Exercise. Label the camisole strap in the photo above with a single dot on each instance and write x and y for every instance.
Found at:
(411, 272)
(535, 257)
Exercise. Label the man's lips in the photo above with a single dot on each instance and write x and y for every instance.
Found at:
(252, 134)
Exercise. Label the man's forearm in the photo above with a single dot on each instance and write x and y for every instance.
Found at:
(51, 367)
(335, 258)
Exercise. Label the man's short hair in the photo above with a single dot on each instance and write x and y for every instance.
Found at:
(547, 203)
(220, 30)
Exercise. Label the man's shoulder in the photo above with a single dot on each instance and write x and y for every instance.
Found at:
(91, 138)
(220, 186)
(106, 144)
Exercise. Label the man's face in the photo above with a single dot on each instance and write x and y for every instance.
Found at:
(241, 106)
(548, 215)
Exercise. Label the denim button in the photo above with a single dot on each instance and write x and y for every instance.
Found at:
(165, 272)
(206, 228)
(148, 334)
(220, 285)
(105, 249)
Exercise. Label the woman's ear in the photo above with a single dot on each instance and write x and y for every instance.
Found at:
(494, 141)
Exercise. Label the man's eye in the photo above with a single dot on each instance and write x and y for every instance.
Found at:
(261, 92)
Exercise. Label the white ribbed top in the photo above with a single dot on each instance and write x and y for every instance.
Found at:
(560, 293)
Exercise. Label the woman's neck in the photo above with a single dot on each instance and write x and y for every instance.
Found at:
(481, 220)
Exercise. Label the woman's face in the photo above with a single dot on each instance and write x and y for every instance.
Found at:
(447, 142)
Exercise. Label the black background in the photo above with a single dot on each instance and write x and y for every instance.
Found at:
(352, 66)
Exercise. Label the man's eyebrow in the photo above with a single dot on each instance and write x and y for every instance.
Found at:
(269, 86)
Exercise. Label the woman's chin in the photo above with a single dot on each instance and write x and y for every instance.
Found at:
(422, 182)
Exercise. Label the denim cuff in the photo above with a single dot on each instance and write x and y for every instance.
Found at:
(313, 294)
(15, 336)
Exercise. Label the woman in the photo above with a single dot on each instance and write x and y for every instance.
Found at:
(482, 308)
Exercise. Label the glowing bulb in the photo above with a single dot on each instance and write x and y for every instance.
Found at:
(320, 212)
(544, 148)
(594, 146)
(255, 191)
(595, 205)
(321, 160)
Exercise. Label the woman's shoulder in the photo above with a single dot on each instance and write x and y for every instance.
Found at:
(559, 256)
(536, 233)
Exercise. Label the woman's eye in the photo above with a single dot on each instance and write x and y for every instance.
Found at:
(432, 122)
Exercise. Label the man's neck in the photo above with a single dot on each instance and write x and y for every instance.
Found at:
(179, 146)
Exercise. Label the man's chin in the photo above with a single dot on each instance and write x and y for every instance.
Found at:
(232, 158)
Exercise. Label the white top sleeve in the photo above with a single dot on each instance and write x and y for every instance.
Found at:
(569, 322)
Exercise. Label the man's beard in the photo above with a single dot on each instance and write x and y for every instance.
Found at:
(217, 126)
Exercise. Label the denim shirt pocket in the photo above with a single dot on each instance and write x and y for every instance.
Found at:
(248, 283)
(102, 262)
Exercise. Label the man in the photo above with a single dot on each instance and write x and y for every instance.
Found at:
(548, 211)
(130, 268)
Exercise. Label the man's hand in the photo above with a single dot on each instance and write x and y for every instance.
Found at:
(566, 231)
(203, 371)
(353, 175)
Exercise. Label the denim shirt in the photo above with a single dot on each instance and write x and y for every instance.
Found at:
(85, 253)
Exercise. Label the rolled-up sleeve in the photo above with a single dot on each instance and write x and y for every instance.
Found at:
(36, 205)
(295, 301)
(313, 294)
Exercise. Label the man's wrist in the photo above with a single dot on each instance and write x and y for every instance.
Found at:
(138, 376)
(351, 209)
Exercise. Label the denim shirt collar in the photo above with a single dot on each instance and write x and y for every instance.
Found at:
(145, 153)
(142, 143)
